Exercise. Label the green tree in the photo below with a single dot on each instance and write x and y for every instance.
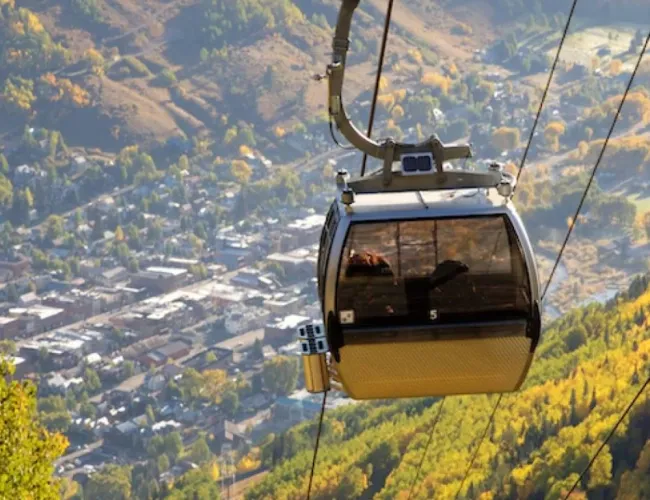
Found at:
(200, 452)
(4, 165)
(257, 351)
(352, 485)
(54, 413)
(87, 410)
(151, 415)
(12, 293)
(111, 483)
(576, 338)
(162, 463)
(54, 227)
(128, 368)
(383, 459)
(7, 348)
(191, 385)
(91, 380)
(18, 96)
(280, 374)
(6, 192)
(155, 446)
(230, 403)
(78, 218)
(194, 485)
(183, 163)
(27, 450)
(173, 445)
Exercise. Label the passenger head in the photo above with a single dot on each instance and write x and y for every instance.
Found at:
(365, 261)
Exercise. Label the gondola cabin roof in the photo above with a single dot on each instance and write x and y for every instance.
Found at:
(453, 202)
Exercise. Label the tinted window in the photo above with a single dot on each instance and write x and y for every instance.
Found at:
(454, 269)
(326, 237)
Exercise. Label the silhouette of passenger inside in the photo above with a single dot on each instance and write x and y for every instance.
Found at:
(371, 296)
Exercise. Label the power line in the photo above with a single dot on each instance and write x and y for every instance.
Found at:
(609, 436)
(548, 85)
(426, 448)
(593, 172)
(380, 66)
(478, 447)
(318, 432)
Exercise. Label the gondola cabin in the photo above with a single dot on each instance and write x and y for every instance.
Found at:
(428, 293)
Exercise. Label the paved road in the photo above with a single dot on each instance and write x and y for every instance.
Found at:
(86, 205)
(79, 453)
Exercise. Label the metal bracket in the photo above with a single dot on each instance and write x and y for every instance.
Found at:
(387, 151)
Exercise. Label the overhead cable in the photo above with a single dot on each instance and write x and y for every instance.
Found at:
(380, 65)
(548, 85)
(426, 447)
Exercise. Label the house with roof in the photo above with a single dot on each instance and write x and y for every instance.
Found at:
(171, 351)
(228, 432)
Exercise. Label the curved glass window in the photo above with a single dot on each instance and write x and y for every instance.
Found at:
(432, 271)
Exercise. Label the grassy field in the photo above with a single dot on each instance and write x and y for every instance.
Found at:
(583, 43)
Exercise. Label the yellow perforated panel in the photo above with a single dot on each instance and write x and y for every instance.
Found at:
(434, 368)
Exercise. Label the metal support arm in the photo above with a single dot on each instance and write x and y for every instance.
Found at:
(336, 71)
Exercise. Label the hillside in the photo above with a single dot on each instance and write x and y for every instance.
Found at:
(588, 367)
(133, 59)
(247, 61)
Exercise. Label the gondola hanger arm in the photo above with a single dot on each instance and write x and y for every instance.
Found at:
(385, 149)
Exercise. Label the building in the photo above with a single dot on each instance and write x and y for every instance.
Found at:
(223, 357)
(298, 264)
(302, 405)
(174, 350)
(242, 318)
(229, 432)
(113, 276)
(295, 408)
(305, 231)
(159, 279)
(66, 348)
(9, 328)
(283, 305)
(17, 264)
(37, 318)
(282, 331)
(77, 304)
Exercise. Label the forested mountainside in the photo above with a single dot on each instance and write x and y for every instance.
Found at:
(589, 366)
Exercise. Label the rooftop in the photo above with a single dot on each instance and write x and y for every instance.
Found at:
(448, 202)
(43, 312)
(172, 271)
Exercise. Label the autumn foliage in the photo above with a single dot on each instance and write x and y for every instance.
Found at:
(27, 450)
(587, 368)
(506, 138)
(61, 89)
(437, 81)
